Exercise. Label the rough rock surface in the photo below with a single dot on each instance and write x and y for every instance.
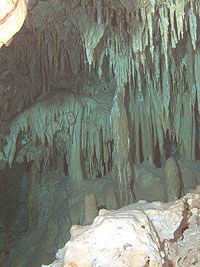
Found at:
(142, 234)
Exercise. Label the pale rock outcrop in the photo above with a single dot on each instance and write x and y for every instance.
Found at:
(141, 234)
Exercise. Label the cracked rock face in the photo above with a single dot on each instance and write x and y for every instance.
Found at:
(153, 234)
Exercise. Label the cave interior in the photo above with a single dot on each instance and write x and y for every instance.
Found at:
(95, 97)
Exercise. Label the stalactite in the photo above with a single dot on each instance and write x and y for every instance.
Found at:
(190, 73)
(197, 75)
(174, 39)
(193, 25)
(180, 13)
(99, 11)
(92, 36)
(164, 25)
(166, 99)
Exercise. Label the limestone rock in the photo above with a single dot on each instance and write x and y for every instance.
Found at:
(140, 234)
(185, 252)
(114, 243)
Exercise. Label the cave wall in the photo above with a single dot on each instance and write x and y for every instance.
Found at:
(90, 87)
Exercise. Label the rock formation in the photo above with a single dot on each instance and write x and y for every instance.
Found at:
(142, 234)
(97, 97)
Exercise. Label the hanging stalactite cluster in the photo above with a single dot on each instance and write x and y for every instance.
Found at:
(153, 50)
(63, 128)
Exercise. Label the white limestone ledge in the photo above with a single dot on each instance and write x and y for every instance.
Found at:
(141, 234)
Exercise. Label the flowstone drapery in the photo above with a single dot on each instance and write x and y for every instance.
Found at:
(64, 126)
